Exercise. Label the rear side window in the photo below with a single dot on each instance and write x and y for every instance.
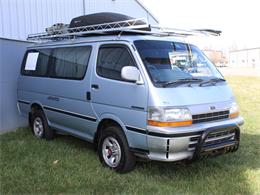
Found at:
(36, 63)
(111, 59)
(69, 62)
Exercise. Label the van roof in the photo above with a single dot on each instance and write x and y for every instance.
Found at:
(104, 38)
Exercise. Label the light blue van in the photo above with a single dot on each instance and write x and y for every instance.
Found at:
(134, 96)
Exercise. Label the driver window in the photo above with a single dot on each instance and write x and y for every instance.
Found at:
(111, 60)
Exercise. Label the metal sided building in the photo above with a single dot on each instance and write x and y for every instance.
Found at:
(18, 18)
(245, 58)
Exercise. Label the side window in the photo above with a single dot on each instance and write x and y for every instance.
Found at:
(111, 59)
(36, 63)
(70, 62)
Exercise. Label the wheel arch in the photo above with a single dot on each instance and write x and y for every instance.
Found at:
(34, 106)
(109, 120)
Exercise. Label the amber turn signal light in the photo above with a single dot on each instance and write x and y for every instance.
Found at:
(169, 124)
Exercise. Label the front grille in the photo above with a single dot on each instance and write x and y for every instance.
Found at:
(213, 116)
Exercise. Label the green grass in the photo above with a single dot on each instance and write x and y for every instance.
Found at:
(27, 163)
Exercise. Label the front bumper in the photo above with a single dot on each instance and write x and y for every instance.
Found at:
(174, 144)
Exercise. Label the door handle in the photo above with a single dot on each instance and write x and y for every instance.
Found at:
(94, 86)
(53, 98)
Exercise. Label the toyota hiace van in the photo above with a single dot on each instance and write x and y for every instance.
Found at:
(132, 94)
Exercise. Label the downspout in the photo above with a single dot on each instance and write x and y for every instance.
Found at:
(84, 7)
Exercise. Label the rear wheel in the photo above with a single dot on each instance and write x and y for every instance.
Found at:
(113, 150)
(40, 127)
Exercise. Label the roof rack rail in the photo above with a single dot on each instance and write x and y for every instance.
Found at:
(139, 26)
(118, 26)
(181, 32)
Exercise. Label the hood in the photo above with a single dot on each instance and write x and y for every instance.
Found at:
(181, 96)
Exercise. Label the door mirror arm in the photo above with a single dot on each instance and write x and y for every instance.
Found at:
(140, 81)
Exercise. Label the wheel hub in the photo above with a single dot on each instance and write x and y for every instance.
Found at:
(38, 127)
(111, 152)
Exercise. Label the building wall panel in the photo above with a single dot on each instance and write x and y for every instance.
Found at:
(22, 17)
(9, 71)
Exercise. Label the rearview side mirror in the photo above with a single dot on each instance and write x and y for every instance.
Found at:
(131, 73)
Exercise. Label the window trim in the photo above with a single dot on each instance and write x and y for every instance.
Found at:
(115, 45)
(47, 75)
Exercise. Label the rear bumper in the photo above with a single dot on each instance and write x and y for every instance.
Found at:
(195, 141)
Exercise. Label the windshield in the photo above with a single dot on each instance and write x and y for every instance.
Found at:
(168, 61)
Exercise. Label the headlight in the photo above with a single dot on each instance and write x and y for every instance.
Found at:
(162, 117)
(234, 110)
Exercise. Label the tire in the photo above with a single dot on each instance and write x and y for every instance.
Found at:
(124, 160)
(40, 127)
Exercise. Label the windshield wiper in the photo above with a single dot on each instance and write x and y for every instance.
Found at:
(212, 81)
(181, 81)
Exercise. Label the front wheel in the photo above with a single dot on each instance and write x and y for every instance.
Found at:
(113, 150)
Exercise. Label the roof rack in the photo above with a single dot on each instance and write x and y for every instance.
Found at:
(138, 26)
(103, 28)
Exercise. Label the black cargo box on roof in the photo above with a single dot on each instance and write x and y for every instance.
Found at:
(101, 18)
